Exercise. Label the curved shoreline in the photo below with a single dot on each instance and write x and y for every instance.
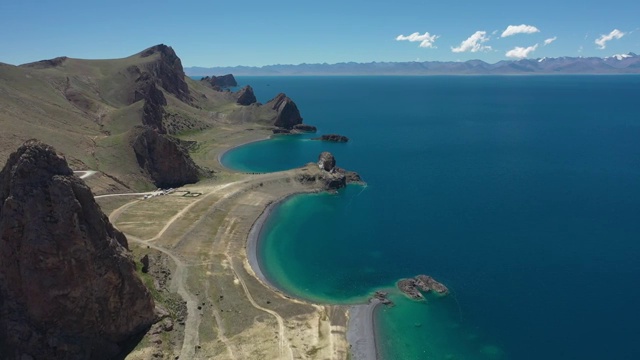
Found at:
(360, 332)
(222, 153)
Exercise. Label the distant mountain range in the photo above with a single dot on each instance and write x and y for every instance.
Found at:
(617, 64)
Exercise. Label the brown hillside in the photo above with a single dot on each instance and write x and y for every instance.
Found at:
(88, 110)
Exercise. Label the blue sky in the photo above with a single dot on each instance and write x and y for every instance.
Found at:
(226, 33)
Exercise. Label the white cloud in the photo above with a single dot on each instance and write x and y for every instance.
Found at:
(519, 29)
(473, 43)
(521, 52)
(602, 40)
(426, 40)
(550, 40)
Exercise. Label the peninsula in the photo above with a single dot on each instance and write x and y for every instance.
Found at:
(146, 140)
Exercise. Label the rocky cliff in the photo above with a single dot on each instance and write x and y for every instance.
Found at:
(246, 96)
(154, 103)
(166, 72)
(163, 158)
(287, 113)
(67, 288)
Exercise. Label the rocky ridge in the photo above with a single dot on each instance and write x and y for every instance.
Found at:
(68, 290)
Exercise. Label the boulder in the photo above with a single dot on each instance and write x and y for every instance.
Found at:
(68, 289)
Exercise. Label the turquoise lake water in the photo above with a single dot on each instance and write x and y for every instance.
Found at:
(521, 194)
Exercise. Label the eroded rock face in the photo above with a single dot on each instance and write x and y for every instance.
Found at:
(326, 161)
(246, 96)
(67, 288)
(164, 159)
(288, 114)
(167, 72)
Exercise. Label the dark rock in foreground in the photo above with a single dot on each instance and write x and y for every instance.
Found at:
(333, 138)
(413, 287)
(246, 96)
(288, 114)
(167, 163)
(220, 82)
(67, 288)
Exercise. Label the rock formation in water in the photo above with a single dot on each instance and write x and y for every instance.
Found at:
(331, 176)
(246, 96)
(413, 287)
(333, 138)
(67, 288)
(305, 128)
(220, 82)
(287, 113)
(164, 159)
(326, 161)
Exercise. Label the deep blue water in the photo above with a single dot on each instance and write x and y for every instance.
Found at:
(521, 194)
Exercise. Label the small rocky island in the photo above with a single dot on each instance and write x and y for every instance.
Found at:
(332, 138)
(328, 174)
(414, 287)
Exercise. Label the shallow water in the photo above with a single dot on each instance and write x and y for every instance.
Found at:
(519, 193)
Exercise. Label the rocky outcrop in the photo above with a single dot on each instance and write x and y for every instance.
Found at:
(154, 103)
(165, 161)
(67, 288)
(414, 287)
(305, 128)
(333, 138)
(326, 161)
(166, 72)
(220, 82)
(328, 174)
(287, 113)
(246, 96)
